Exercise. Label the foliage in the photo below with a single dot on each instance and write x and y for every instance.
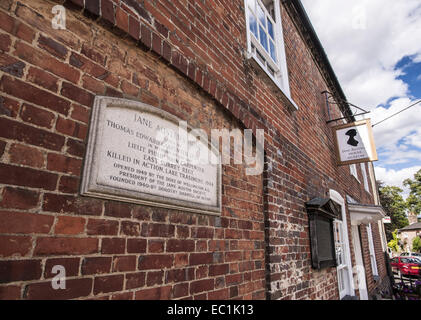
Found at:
(414, 199)
(395, 207)
(416, 244)
(394, 243)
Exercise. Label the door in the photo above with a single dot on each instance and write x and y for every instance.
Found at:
(360, 271)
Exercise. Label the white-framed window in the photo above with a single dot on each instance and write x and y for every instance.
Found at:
(372, 252)
(353, 169)
(265, 41)
(365, 178)
(343, 253)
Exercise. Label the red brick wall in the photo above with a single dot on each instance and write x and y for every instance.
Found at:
(188, 58)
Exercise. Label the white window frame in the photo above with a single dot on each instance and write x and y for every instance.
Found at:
(280, 77)
(365, 178)
(353, 169)
(349, 289)
(372, 251)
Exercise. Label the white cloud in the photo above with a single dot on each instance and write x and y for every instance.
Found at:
(396, 177)
(364, 40)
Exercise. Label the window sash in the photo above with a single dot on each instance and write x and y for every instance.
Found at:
(259, 29)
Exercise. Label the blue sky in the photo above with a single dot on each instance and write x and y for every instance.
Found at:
(374, 47)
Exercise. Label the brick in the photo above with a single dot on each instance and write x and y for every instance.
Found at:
(43, 79)
(92, 7)
(15, 246)
(108, 284)
(156, 43)
(102, 227)
(217, 270)
(47, 246)
(71, 128)
(80, 113)
(200, 258)
(46, 62)
(136, 245)
(75, 288)
(96, 265)
(202, 232)
(222, 294)
(20, 270)
(174, 245)
(34, 95)
(134, 28)
(33, 178)
(201, 286)
(71, 266)
(117, 209)
(157, 230)
(52, 47)
(68, 184)
(24, 155)
(5, 42)
(124, 263)
(93, 54)
(7, 22)
(160, 293)
(37, 116)
(9, 107)
(145, 36)
(88, 66)
(135, 280)
(25, 32)
(77, 94)
(113, 246)
(2, 147)
(107, 12)
(17, 198)
(70, 204)
(154, 278)
(10, 292)
(122, 20)
(10, 129)
(122, 296)
(60, 163)
(156, 246)
(179, 275)
(11, 66)
(150, 262)
(181, 290)
(129, 89)
(69, 225)
(130, 228)
(25, 223)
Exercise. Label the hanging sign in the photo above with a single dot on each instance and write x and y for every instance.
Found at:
(355, 143)
(387, 219)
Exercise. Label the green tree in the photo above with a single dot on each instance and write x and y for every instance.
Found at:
(394, 243)
(414, 199)
(395, 207)
(416, 244)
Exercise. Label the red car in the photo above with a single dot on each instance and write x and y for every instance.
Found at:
(406, 266)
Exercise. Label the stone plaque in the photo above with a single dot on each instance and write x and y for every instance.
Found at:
(138, 153)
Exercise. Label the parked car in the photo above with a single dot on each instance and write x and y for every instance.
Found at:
(411, 254)
(406, 266)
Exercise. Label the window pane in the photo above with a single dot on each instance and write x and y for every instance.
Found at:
(252, 5)
(270, 29)
(261, 15)
(263, 38)
(253, 24)
(272, 50)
